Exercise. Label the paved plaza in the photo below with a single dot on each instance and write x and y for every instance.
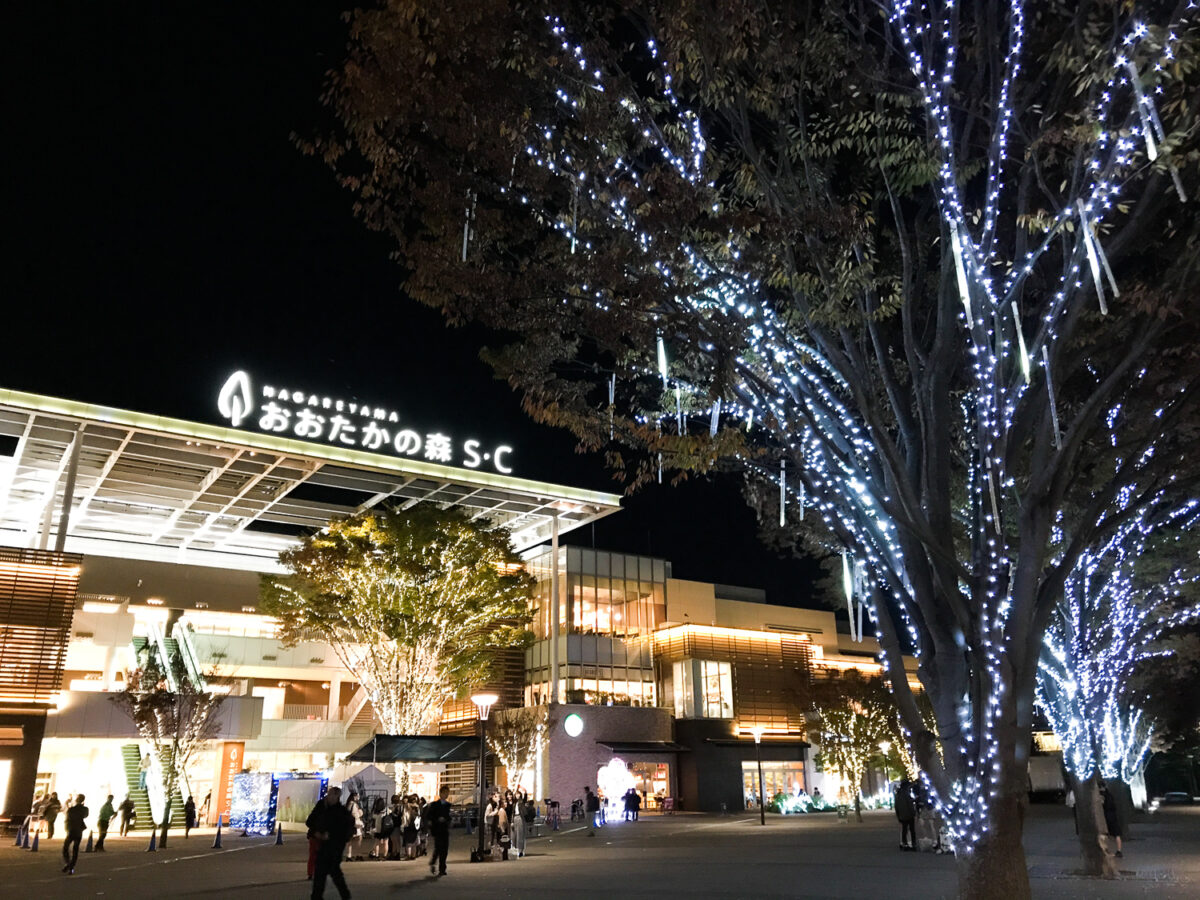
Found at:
(689, 855)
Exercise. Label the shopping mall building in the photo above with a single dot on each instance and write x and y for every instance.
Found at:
(125, 535)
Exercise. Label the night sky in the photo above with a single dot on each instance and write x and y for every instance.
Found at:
(164, 231)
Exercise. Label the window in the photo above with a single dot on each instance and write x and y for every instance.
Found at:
(703, 689)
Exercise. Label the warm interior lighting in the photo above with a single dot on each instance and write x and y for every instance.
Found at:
(99, 606)
(39, 570)
(154, 601)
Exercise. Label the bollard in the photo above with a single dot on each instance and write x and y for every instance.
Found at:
(90, 846)
(33, 849)
(217, 840)
(153, 839)
(278, 834)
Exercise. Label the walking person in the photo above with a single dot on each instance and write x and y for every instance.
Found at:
(906, 812)
(520, 801)
(128, 813)
(437, 820)
(354, 848)
(50, 813)
(591, 803)
(189, 816)
(75, 827)
(143, 771)
(332, 825)
(102, 819)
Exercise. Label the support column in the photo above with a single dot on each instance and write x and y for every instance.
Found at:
(335, 698)
(555, 608)
(64, 517)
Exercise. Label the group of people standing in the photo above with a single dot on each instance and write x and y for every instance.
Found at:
(505, 819)
(334, 830)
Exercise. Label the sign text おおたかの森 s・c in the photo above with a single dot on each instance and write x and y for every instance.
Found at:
(315, 417)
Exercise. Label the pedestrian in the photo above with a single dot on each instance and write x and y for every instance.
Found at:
(520, 804)
(381, 827)
(591, 804)
(437, 821)
(128, 813)
(637, 803)
(105, 816)
(354, 848)
(50, 813)
(75, 827)
(411, 818)
(906, 812)
(1112, 821)
(189, 816)
(143, 771)
(331, 824)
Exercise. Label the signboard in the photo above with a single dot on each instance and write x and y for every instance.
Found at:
(297, 413)
(232, 761)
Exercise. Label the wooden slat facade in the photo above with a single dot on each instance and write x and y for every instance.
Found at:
(37, 602)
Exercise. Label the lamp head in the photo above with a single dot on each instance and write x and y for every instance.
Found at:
(484, 703)
(757, 731)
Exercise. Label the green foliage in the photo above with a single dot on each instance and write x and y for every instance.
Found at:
(854, 714)
(414, 601)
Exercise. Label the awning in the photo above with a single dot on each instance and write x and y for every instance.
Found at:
(644, 746)
(749, 741)
(431, 748)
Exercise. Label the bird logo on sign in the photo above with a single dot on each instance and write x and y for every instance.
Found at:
(234, 402)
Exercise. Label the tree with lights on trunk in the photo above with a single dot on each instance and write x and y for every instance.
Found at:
(925, 267)
(413, 601)
(1108, 623)
(518, 737)
(854, 716)
(176, 714)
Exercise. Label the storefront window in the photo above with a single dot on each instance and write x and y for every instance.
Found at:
(778, 778)
(703, 689)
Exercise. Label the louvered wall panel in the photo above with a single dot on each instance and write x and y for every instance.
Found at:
(37, 602)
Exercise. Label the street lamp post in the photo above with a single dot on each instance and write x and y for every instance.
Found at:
(757, 731)
(483, 703)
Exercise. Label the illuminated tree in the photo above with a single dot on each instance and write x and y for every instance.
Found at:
(1109, 621)
(518, 737)
(870, 252)
(414, 602)
(853, 716)
(176, 716)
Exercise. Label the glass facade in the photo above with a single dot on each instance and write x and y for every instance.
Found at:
(702, 689)
(778, 778)
(604, 598)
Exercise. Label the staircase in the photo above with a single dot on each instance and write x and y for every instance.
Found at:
(131, 756)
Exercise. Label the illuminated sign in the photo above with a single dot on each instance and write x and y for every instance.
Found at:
(573, 725)
(316, 417)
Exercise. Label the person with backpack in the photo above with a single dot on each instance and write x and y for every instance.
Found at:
(381, 825)
(107, 813)
(50, 812)
(128, 814)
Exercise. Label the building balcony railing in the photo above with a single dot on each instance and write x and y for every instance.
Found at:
(312, 712)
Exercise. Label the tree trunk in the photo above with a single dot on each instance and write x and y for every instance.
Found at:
(162, 835)
(1095, 860)
(994, 869)
(858, 806)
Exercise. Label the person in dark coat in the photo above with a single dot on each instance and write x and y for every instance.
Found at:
(906, 812)
(50, 813)
(436, 818)
(1112, 821)
(332, 825)
(189, 815)
(128, 813)
(75, 827)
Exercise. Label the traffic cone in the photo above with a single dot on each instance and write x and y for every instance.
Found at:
(25, 840)
(20, 835)
(217, 840)
(90, 847)
(33, 849)
(153, 840)
(278, 834)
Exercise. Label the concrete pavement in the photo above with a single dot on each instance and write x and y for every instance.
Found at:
(689, 855)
